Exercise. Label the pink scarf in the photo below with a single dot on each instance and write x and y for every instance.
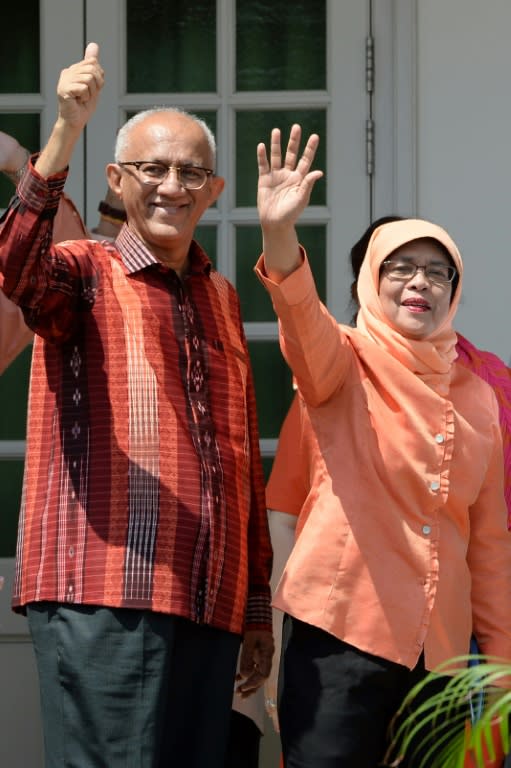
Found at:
(493, 370)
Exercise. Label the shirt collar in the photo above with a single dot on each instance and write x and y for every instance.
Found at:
(136, 255)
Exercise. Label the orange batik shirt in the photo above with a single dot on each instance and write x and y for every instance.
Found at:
(143, 483)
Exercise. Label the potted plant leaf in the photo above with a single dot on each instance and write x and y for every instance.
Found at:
(466, 725)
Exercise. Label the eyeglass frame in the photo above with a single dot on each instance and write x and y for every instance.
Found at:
(416, 267)
(170, 167)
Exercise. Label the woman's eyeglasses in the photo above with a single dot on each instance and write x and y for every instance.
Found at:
(405, 270)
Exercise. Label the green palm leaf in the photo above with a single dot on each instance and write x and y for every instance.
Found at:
(442, 719)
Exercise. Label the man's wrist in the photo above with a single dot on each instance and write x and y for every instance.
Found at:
(108, 212)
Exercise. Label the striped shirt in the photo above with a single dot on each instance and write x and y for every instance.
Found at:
(143, 483)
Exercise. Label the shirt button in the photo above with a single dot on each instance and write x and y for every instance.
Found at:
(71, 551)
(426, 530)
(439, 438)
(435, 485)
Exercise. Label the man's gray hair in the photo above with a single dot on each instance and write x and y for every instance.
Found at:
(121, 141)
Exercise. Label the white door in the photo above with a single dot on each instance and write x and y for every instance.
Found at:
(463, 155)
(244, 72)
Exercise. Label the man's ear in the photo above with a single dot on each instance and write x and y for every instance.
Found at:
(113, 177)
(217, 184)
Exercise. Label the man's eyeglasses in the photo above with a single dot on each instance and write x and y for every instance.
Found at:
(154, 173)
(405, 270)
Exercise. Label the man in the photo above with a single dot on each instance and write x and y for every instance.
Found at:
(144, 524)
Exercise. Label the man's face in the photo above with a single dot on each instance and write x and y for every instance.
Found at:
(165, 216)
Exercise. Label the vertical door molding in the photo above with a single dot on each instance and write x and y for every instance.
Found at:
(62, 43)
(105, 24)
(395, 107)
(348, 183)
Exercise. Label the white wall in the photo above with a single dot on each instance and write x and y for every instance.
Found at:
(464, 151)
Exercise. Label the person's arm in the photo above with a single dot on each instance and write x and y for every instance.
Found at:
(282, 532)
(284, 191)
(68, 223)
(286, 492)
(14, 334)
(309, 335)
(78, 91)
(13, 157)
(112, 216)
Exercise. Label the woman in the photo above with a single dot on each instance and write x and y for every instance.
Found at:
(402, 548)
(486, 365)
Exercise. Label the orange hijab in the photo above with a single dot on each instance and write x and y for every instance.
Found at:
(428, 359)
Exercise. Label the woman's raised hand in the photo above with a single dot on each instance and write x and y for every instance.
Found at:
(285, 185)
(284, 191)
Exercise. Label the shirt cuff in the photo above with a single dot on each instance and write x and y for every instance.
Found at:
(258, 614)
(40, 193)
(294, 288)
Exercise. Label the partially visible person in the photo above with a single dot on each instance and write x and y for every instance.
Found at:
(245, 732)
(402, 545)
(286, 491)
(143, 455)
(15, 335)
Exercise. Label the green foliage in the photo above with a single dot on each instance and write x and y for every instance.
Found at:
(442, 718)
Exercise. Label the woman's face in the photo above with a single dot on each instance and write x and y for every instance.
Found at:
(416, 306)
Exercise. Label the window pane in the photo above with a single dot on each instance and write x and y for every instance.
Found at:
(205, 234)
(19, 51)
(280, 46)
(171, 46)
(255, 303)
(11, 477)
(253, 127)
(267, 465)
(14, 390)
(24, 128)
(273, 385)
